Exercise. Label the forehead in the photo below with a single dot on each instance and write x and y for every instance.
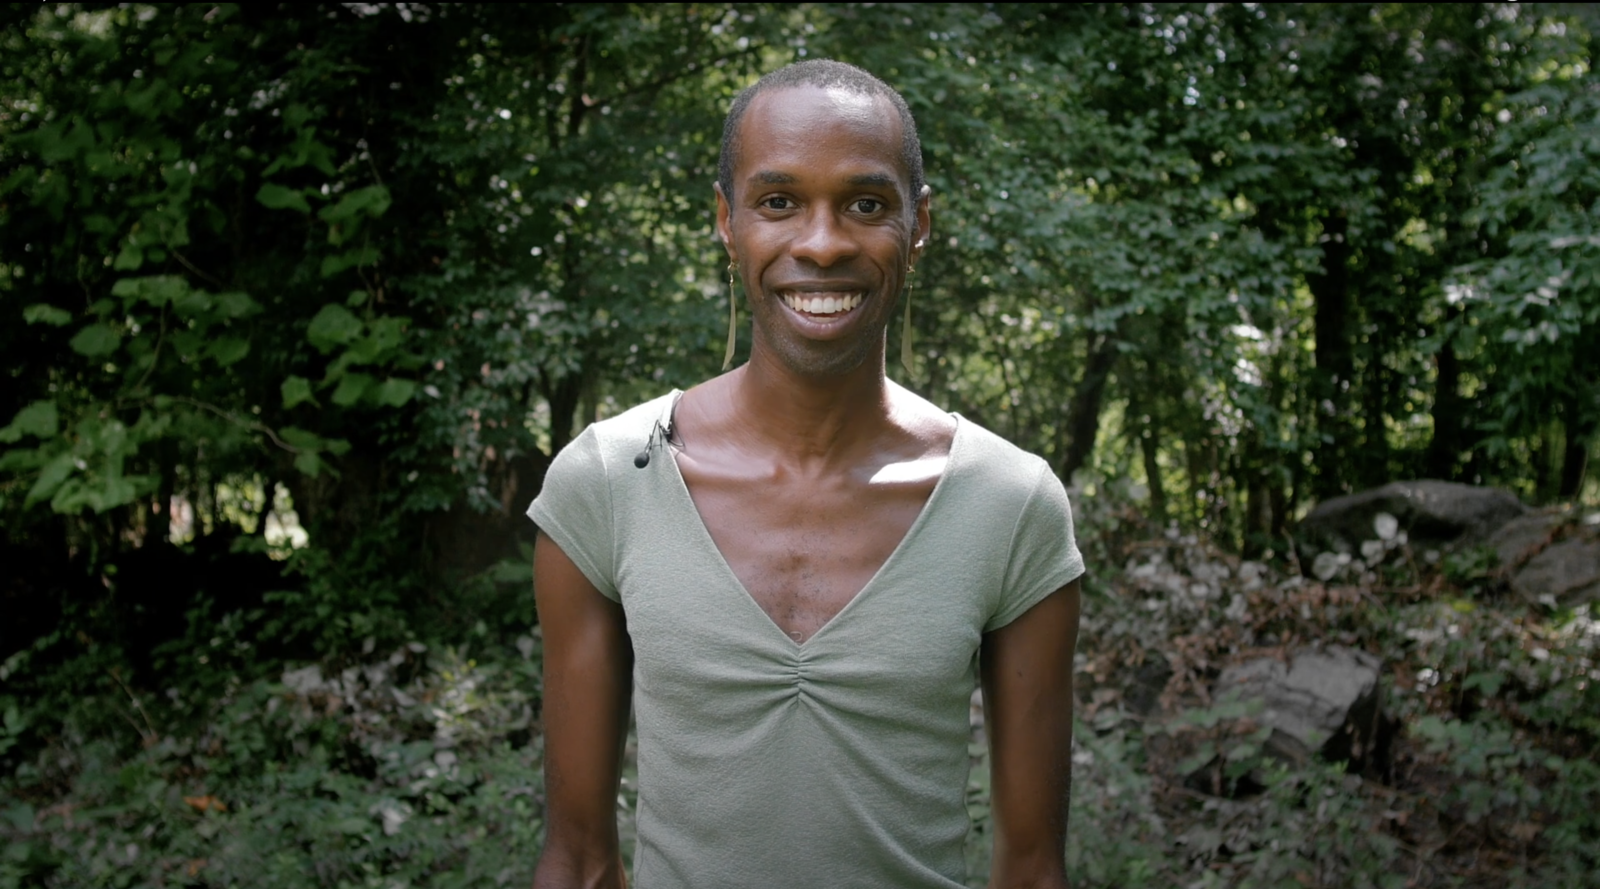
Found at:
(818, 130)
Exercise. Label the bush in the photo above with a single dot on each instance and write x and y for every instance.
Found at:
(364, 778)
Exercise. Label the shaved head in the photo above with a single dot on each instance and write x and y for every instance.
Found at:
(828, 75)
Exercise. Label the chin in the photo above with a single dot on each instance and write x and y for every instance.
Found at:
(824, 363)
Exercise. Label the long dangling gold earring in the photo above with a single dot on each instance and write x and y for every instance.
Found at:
(733, 315)
(905, 328)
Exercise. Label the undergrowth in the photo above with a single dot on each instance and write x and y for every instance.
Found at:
(421, 766)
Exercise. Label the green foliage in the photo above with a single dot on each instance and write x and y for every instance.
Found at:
(361, 778)
(377, 264)
(232, 267)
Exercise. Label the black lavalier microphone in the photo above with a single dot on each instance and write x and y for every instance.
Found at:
(657, 432)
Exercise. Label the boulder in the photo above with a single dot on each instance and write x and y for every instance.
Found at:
(1568, 570)
(1429, 512)
(1524, 537)
(1325, 702)
(1551, 557)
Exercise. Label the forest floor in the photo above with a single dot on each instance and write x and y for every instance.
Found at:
(421, 765)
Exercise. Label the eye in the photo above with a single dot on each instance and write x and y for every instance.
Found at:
(777, 203)
(868, 206)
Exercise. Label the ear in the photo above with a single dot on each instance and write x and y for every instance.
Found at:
(725, 222)
(924, 228)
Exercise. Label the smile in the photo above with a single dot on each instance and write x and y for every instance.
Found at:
(821, 303)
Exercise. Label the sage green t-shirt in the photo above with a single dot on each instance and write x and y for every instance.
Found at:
(838, 762)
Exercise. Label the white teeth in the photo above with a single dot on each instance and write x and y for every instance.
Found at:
(822, 305)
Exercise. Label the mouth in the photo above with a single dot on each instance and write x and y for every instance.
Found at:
(836, 303)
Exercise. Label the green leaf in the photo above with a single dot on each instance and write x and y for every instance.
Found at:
(512, 571)
(229, 349)
(50, 478)
(157, 290)
(300, 438)
(277, 197)
(386, 334)
(95, 340)
(236, 305)
(351, 388)
(97, 493)
(333, 325)
(24, 459)
(1490, 681)
(44, 313)
(129, 258)
(309, 463)
(20, 816)
(372, 201)
(394, 392)
(193, 302)
(187, 343)
(296, 390)
(335, 263)
(353, 826)
(40, 420)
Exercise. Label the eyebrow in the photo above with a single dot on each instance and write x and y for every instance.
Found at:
(878, 180)
(871, 180)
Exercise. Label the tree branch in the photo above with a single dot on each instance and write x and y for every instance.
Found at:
(253, 427)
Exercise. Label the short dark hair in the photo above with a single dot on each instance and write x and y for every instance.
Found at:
(825, 74)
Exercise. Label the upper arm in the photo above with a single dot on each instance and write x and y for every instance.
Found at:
(588, 662)
(1027, 699)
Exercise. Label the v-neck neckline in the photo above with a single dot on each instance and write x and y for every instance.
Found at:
(710, 543)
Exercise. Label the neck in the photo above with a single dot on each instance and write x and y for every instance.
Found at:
(811, 419)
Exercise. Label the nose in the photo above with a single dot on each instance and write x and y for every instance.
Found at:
(823, 239)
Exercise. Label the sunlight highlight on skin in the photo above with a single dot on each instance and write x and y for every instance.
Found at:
(909, 471)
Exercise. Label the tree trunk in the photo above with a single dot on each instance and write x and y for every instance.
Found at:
(1279, 499)
(1372, 458)
(1199, 487)
(1335, 363)
(1449, 408)
(1150, 446)
(1146, 426)
(563, 395)
(158, 527)
(1083, 412)
(1581, 427)
(1254, 479)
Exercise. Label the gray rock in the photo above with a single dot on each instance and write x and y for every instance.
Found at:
(1552, 554)
(1431, 513)
(1523, 536)
(1569, 570)
(1324, 702)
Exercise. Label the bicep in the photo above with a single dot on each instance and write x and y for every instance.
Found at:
(588, 663)
(1027, 695)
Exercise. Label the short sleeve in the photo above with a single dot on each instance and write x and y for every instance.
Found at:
(1044, 553)
(574, 508)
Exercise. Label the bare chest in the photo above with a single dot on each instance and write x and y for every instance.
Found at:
(804, 550)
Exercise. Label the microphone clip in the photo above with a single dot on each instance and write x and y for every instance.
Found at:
(660, 434)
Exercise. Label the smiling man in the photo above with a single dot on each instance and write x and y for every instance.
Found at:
(795, 573)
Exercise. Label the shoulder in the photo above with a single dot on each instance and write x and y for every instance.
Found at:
(622, 436)
(998, 464)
